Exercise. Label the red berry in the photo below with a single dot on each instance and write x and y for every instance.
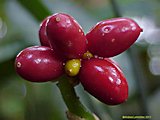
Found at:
(42, 33)
(38, 64)
(66, 36)
(111, 37)
(103, 79)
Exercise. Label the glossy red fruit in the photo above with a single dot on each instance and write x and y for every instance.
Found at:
(111, 37)
(38, 64)
(66, 36)
(42, 33)
(103, 79)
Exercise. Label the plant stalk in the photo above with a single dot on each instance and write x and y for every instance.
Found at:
(72, 100)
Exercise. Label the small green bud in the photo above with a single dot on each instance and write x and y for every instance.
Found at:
(72, 67)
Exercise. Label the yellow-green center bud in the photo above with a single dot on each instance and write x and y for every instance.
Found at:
(87, 55)
(72, 67)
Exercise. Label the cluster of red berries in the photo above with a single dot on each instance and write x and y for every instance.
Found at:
(67, 50)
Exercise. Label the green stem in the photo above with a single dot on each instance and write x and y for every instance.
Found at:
(71, 100)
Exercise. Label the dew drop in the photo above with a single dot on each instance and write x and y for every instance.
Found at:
(113, 40)
(118, 82)
(124, 29)
(111, 79)
(133, 28)
(100, 58)
(107, 29)
(37, 61)
(99, 68)
(96, 56)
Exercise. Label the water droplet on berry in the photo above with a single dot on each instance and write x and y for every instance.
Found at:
(100, 58)
(37, 61)
(111, 79)
(96, 56)
(113, 40)
(29, 56)
(99, 69)
(124, 29)
(118, 82)
(133, 28)
(107, 29)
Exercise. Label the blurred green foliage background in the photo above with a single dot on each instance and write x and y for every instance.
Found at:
(19, 25)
